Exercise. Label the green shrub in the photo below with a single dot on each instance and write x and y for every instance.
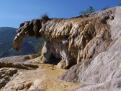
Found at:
(88, 11)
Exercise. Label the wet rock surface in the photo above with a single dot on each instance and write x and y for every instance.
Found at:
(45, 78)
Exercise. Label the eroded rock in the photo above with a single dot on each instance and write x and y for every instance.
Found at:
(72, 40)
(5, 75)
(17, 62)
(104, 73)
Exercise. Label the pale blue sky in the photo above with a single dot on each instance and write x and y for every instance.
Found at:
(13, 12)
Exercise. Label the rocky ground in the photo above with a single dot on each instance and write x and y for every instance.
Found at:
(43, 78)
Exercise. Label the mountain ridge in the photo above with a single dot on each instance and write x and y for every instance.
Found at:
(6, 39)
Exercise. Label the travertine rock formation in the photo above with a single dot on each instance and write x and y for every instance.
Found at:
(91, 42)
(104, 72)
(68, 41)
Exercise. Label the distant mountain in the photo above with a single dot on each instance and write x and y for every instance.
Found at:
(7, 34)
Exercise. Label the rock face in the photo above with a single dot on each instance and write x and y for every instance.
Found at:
(6, 75)
(69, 41)
(103, 73)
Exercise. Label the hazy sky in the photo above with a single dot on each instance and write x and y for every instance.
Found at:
(13, 12)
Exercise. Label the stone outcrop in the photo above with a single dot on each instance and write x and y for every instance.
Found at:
(5, 75)
(68, 41)
(45, 78)
(106, 66)
(17, 62)
(103, 73)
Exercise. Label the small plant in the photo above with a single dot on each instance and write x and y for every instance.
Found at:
(88, 11)
(105, 8)
(45, 17)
